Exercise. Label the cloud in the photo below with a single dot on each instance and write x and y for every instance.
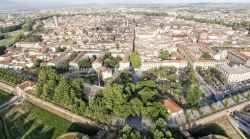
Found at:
(129, 1)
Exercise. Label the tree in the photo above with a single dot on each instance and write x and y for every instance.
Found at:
(248, 95)
(129, 133)
(162, 25)
(85, 63)
(164, 55)
(60, 49)
(206, 55)
(61, 90)
(48, 90)
(147, 95)
(193, 95)
(135, 60)
(126, 77)
(155, 110)
(2, 50)
(11, 28)
(237, 99)
(160, 130)
(18, 37)
(115, 100)
(11, 77)
(226, 102)
(109, 28)
(136, 107)
(97, 111)
(27, 26)
(111, 62)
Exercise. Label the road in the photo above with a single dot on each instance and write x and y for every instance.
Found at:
(13, 101)
(232, 91)
(196, 113)
(242, 120)
(207, 89)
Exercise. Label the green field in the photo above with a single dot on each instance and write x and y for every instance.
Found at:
(31, 122)
(4, 97)
(7, 42)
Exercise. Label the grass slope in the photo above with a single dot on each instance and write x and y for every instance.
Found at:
(4, 97)
(31, 122)
(7, 42)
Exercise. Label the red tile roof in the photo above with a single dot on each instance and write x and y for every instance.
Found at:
(171, 105)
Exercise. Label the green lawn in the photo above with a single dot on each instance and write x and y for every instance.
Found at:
(4, 97)
(31, 122)
(1, 130)
(7, 42)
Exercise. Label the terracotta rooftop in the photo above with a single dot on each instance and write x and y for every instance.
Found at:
(171, 105)
(238, 54)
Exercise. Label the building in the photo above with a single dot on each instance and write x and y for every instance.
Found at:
(57, 61)
(237, 57)
(196, 61)
(173, 108)
(105, 72)
(25, 86)
(147, 65)
(235, 73)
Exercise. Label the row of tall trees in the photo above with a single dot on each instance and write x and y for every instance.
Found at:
(234, 25)
(11, 77)
(211, 75)
(190, 83)
(27, 26)
(147, 13)
(11, 28)
(61, 90)
(65, 65)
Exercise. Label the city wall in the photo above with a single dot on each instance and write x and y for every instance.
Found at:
(210, 118)
(57, 110)
(62, 112)
(7, 88)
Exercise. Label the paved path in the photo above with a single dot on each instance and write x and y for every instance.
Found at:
(13, 101)
(194, 114)
(204, 86)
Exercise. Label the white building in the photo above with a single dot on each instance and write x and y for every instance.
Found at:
(166, 63)
(235, 73)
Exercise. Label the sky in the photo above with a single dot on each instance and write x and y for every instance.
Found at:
(131, 1)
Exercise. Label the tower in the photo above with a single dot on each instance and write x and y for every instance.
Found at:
(55, 19)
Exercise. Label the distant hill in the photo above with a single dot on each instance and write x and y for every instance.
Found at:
(9, 5)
